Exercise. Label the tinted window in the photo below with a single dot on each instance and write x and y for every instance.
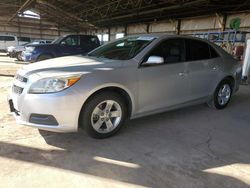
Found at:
(25, 39)
(171, 50)
(71, 41)
(89, 41)
(213, 53)
(197, 50)
(9, 38)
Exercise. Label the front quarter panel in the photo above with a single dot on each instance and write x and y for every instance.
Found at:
(124, 78)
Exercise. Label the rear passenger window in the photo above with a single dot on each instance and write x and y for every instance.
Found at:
(213, 53)
(197, 50)
(71, 41)
(94, 40)
(89, 41)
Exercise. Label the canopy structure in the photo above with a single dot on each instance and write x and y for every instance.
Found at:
(88, 14)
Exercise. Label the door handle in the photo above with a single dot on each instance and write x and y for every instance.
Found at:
(185, 73)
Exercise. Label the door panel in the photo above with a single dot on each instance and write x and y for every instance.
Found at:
(10, 41)
(166, 84)
(202, 67)
(162, 86)
(202, 76)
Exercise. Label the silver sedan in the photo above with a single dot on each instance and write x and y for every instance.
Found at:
(128, 78)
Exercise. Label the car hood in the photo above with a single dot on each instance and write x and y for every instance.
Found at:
(50, 45)
(70, 65)
(19, 48)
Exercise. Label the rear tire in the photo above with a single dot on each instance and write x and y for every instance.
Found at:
(103, 115)
(222, 95)
(44, 57)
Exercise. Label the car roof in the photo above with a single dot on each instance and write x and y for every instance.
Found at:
(164, 35)
(169, 36)
(79, 35)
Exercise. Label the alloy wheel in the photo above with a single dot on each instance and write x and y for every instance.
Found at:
(106, 116)
(224, 94)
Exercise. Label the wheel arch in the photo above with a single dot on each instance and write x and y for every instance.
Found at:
(127, 96)
(46, 53)
(231, 80)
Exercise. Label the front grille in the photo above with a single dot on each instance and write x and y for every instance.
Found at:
(21, 78)
(16, 89)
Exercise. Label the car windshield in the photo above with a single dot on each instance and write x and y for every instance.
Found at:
(57, 40)
(122, 49)
(24, 44)
(35, 42)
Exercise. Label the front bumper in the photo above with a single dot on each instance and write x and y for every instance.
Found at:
(238, 75)
(67, 119)
(38, 110)
(28, 56)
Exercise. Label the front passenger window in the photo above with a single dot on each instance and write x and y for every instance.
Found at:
(71, 41)
(172, 51)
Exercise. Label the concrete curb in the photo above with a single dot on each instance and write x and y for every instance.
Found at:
(10, 73)
(7, 75)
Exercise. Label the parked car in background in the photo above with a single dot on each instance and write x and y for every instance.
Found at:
(16, 51)
(23, 40)
(128, 78)
(6, 41)
(11, 49)
(63, 46)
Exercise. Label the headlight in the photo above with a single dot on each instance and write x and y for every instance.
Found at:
(30, 48)
(53, 84)
(10, 49)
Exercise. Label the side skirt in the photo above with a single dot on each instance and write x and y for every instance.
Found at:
(174, 107)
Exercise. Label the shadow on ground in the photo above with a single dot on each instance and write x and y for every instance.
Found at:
(173, 149)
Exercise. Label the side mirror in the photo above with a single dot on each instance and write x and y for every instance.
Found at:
(63, 43)
(154, 60)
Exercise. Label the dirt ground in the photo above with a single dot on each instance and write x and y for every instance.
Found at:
(192, 147)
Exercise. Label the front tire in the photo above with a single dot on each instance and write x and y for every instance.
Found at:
(103, 115)
(222, 95)
(19, 56)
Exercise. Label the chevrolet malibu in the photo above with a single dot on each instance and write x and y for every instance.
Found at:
(128, 78)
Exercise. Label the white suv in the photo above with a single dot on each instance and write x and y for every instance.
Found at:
(6, 41)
